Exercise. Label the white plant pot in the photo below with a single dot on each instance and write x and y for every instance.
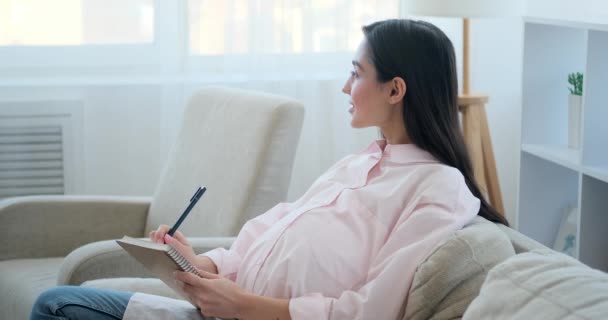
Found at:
(574, 121)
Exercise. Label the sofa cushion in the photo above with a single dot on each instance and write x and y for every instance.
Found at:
(520, 242)
(451, 277)
(22, 281)
(542, 282)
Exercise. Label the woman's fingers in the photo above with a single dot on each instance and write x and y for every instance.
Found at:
(207, 275)
(188, 290)
(181, 238)
(173, 242)
(189, 279)
(158, 235)
(184, 249)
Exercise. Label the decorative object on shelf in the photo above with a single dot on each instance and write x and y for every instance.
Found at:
(474, 119)
(566, 240)
(574, 109)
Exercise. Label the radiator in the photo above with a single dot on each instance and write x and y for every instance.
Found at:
(41, 147)
(31, 160)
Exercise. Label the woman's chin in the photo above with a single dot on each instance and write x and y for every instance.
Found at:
(356, 124)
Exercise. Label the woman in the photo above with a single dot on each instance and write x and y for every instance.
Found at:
(349, 247)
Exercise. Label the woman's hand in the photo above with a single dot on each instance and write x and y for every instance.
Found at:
(181, 244)
(158, 235)
(214, 295)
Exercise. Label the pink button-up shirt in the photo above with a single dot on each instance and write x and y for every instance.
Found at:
(349, 247)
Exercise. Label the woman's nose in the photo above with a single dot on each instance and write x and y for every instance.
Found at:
(346, 87)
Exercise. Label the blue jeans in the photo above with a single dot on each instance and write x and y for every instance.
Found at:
(69, 302)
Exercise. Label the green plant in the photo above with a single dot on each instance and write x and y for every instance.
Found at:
(575, 79)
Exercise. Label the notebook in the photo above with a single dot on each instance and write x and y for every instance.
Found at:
(160, 259)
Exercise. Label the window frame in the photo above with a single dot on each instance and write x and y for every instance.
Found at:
(136, 58)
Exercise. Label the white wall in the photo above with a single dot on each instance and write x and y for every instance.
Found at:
(496, 66)
(496, 70)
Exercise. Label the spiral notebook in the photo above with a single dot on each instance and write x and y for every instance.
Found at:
(160, 259)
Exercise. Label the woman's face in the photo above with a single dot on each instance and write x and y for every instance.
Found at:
(367, 95)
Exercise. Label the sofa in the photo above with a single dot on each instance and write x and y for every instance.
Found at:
(484, 271)
(490, 271)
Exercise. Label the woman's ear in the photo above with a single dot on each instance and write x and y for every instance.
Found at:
(397, 90)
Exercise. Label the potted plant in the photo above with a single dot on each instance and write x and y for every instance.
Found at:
(574, 109)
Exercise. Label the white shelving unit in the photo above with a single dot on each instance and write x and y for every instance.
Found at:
(552, 175)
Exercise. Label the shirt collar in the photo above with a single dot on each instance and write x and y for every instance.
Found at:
(401, 153)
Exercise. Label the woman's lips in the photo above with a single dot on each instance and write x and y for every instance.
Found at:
(351, 109)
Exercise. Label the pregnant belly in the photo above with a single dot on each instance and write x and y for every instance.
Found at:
(326, 250)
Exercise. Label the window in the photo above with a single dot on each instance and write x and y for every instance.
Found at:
(279, 26)
(76, 22)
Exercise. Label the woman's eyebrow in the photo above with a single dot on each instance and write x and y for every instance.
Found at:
(357, 64)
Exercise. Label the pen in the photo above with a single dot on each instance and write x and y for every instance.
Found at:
(197, 195)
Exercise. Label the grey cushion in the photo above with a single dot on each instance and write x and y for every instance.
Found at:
(452, 275)
(542, 282)
(520, 242)
(22, 281)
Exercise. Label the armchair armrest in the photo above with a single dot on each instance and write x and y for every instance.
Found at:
(106, 259)
(52, 226)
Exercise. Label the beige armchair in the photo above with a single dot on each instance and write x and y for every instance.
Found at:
(239, 144)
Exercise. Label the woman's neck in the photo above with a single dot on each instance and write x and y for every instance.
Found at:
(393, 129)
(398, 141)
(396, 135)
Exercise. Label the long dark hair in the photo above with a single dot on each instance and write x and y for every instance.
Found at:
(423, 56)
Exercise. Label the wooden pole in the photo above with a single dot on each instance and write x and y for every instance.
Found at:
(476, 131)
(477, 137)
(465, 57)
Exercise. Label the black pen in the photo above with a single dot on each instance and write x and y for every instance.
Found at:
(197, 195)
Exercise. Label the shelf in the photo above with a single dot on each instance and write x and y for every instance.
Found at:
(554, 177)
(594, 223)
(562, 155)
(546, 190)
(595, 110)
(545, 74)
(567, 23)
(599, 173)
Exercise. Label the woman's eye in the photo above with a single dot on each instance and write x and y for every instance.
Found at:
(353, 74)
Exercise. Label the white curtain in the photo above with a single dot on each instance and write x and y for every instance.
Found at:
(280, 26)
(140, 60)
(300, 48)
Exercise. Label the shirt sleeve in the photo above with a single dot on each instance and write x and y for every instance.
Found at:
(433, 218)
(228, 261)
